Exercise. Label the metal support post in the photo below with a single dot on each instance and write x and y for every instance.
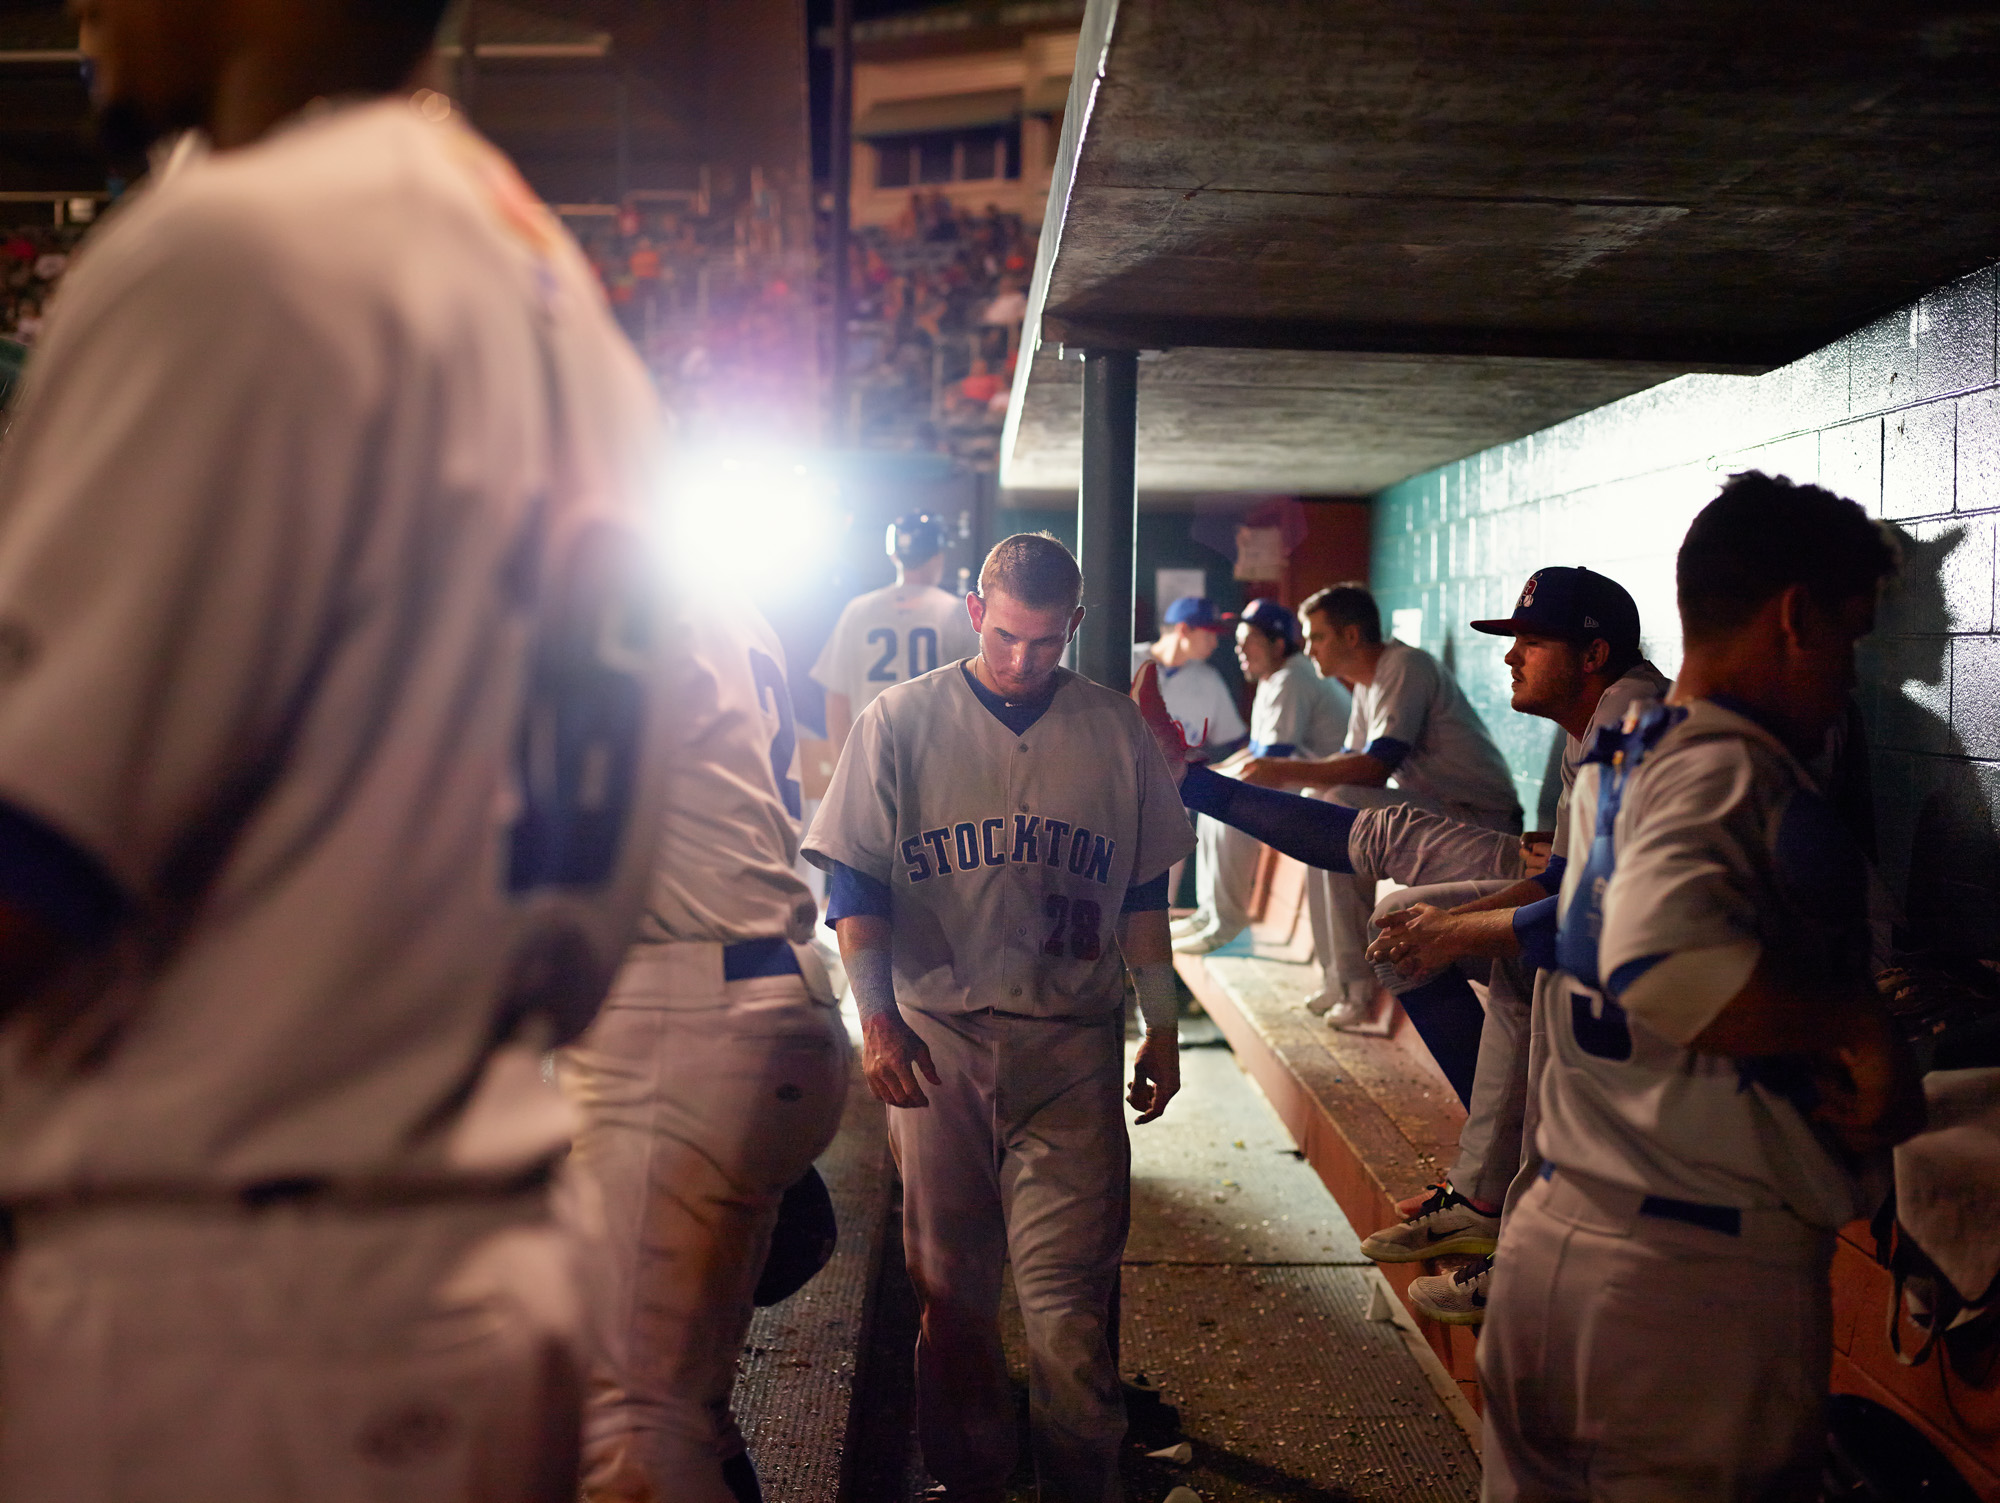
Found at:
(840, 174)
(1107, 514)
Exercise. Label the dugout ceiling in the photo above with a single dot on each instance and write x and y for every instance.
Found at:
(1373, 237)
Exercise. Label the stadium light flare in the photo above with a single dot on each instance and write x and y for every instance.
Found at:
(743, 521)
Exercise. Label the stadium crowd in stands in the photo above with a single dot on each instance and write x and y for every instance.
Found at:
(32, 261)
(938, 302)
(939, 298)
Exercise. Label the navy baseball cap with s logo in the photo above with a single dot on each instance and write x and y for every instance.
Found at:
(1575, 604)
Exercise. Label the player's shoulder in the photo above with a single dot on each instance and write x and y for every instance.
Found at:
(925, 695)
(1082, 698)
(360, 210)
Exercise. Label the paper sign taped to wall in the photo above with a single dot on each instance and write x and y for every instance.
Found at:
(1170, 585)
(1260, 553)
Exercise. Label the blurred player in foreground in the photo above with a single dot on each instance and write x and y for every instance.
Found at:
(325, 798)
(710, 1082)
(998, 835)
(1722, 1074)
(899, 632)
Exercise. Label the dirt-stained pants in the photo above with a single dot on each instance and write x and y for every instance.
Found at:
(1021, 1157)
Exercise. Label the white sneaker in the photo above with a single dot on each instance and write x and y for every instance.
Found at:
(1352, 1006)
(1200, 942)
(1457, 1298)
(1192, 923)
(1446, 1223)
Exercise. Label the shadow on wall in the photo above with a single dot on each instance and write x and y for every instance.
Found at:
(1940, 853)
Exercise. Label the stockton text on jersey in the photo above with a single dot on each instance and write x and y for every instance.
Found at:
(967, 846)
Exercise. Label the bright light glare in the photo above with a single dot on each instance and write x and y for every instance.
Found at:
(739, 521)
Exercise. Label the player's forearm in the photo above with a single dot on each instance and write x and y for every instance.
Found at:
(1489, 933)
(866, 953)
(1520, 895)
(1778, 1012)
(1147, 945)
(1349, 769)
(839, 721)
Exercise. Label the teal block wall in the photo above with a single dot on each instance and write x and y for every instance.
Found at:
(1904, 417)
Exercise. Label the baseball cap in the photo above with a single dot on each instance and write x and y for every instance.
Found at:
(1273, 619)
(1574, 603)
(1197, 611)
(916, 537)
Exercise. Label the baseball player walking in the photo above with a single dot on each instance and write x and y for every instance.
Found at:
(892, 635)
(325, 794)
(1410, 722)
(1295, 713)
(1721, 1067)
(711, 1080)
(997, 836)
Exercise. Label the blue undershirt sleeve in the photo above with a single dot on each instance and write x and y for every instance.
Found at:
(1148, 897)
(1388, 749)
(1273, 749)
(43, 874)
(1306, 829)
(851, 894)
(1535, 929)
(1550, 878)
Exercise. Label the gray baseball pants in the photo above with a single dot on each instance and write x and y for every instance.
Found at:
(1021, 1157)
(1406, 839)
(1628, 1358)
(306, 1351)
(703, 1101)
(1225, 876)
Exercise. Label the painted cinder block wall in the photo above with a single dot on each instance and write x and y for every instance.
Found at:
(1904, 417)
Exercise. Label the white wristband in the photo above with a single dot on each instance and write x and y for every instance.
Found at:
(1159, 1007)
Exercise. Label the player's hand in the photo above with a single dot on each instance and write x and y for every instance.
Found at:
(1156, 1074)
(1265, 772)
(1418, 939)
(1871, 1096)
(1153, 710)
(1536, 848)
(892, 1056)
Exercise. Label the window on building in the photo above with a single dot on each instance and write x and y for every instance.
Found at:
(986, 154)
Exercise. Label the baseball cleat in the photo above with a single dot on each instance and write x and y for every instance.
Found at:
(1457, 1298)
(1445, 1223)
(1194, 923)
(1351, 1005)
(1166, 730)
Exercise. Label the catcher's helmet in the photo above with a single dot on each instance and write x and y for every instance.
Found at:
(802, 1242)
(916, 537)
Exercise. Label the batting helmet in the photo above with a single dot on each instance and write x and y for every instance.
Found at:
(802, 1242)
(916, 537)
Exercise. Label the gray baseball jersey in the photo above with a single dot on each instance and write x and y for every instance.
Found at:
(1007, 857)
(890, 636)
(729, 842)
(1640, 684)
(1296, 713)
(1717, 849)
(1419, 717)
(1198, 698)
(356, 716)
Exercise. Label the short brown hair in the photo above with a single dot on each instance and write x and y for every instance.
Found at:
(1347, 604)
(1035, 569)
(1763, 534)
